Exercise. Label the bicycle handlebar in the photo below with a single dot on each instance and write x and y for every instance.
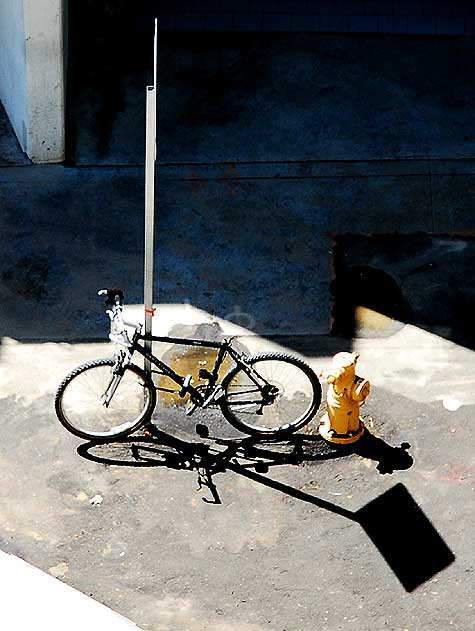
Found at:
(114, 302)
(114, 296)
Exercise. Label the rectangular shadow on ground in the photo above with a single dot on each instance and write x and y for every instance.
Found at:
(405, 537)
(394, 522)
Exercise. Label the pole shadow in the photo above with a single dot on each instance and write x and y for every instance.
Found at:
(394, 522)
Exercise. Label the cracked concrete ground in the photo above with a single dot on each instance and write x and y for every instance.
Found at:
(285, 555)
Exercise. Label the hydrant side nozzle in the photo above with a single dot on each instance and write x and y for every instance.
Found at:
(361, 389)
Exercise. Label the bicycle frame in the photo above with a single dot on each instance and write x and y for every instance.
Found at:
(224, 348)
(212, 391)
(238, 385)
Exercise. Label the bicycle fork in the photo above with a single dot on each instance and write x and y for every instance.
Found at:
(111, 390)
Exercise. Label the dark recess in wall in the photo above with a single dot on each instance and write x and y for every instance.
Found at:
(422, 279)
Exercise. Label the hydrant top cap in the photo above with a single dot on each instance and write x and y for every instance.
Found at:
(343, 360)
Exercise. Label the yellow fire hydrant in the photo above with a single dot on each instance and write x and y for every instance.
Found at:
(346, 392)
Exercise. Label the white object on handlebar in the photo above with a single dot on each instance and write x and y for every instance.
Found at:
(118, 332)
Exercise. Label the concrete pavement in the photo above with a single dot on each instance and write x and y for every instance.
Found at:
(284, 549)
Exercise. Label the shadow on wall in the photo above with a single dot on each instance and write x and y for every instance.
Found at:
(384, 281)
(11, 153)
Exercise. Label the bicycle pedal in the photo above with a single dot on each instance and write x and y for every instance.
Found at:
(148, 430)
(190, 408)
(185, 385)
(214, 396)
(219, 394)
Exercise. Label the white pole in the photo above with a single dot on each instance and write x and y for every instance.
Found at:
(150, 157)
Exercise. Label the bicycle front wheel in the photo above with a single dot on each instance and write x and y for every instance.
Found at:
(295, 395)
(82, 404)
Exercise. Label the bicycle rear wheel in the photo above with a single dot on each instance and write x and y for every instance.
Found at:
(296, 397)
(80, 405)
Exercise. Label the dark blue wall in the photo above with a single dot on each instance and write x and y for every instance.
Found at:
(368, 16)
(271, 146)
(234, 97)
(225, 242)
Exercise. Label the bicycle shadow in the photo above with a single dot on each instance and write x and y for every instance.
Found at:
(394, 522)
(158, 448)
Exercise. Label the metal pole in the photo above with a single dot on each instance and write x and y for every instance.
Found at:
(150, 157)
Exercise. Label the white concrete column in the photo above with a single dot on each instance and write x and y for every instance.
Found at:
(32, 75)
(13, 66)
(45, 79)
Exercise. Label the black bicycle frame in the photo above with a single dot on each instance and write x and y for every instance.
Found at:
(223, 349)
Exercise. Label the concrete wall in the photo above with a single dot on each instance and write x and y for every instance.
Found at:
(257, 251)
(271, 146)
(13, 82)
(45, 80)
(341, 16)
(31, 79)
(274, 97)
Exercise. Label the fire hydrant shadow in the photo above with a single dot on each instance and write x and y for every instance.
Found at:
(388, 458)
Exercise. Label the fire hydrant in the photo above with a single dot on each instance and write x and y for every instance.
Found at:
(346, 392)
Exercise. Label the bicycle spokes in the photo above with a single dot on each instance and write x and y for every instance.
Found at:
(274, 393)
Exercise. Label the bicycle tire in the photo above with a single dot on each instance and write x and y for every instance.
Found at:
(81, 411)
(300, 384)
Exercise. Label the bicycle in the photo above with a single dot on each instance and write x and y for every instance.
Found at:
(267, 395)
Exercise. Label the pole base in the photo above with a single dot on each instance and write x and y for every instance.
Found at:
(342, 439)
